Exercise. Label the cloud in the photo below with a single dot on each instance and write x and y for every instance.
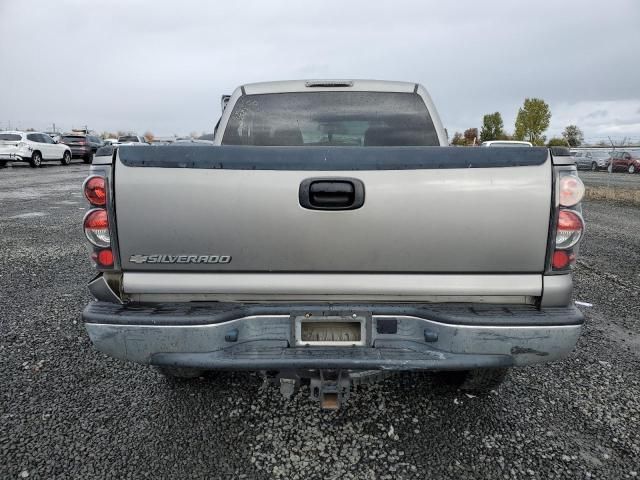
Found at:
(163, 66)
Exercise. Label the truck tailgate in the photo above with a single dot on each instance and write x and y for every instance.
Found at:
(426, 209)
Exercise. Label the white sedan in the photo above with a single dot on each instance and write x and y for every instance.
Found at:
(32, 147)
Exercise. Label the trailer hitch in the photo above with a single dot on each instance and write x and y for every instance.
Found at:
(331, 389)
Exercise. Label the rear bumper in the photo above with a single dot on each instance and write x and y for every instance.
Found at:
(80, 152)
(261, 337)
(13, 157)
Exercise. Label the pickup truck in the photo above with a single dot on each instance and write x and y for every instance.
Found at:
(328, 236)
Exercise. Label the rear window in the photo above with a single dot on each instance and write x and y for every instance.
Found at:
(10, 137)
(72, 138)
(129, 138)
(331, 119)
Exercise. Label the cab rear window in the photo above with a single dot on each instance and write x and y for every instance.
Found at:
(331, 119)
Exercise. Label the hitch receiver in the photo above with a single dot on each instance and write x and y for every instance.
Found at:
(331, 389)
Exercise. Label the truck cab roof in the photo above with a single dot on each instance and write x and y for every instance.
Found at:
(328, 85)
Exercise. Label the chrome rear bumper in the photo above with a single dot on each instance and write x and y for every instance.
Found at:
(399, 337)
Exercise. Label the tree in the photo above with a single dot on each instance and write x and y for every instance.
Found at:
(148, 136)
(471, 136)
(573, 135)
(532, 120)
(492, 127)
(458, 139)
(557, 142)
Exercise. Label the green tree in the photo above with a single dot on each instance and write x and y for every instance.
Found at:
(471, 136)
(573, 135)
(492, 127)
(458, 139)
(532, 120)
(557, 142)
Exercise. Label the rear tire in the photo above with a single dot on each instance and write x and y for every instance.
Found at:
(482, 381)
(180, 373)
(478, 382)
(3, 164)
(66, 158)
(88, 158)
(36, 160)
(594, 167)
(631, 169)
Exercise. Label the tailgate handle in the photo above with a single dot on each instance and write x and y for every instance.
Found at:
(331, 193)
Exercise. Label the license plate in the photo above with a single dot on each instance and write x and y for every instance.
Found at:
(330, 330)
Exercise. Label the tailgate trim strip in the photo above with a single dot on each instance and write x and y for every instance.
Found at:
(243, 157)
(331, 284)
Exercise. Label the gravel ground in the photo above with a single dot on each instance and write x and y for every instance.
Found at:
(67, 411)
(605, 179)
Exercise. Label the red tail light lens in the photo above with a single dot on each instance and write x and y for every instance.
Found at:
(96, 227)
(95, 191)
(569, 229)
(103, 258)
(562, 259)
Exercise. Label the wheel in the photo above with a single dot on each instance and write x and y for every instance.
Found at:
(66, 158)
(3, 164)
(631, 169)
(88, 158)
(180, 373)
(36, 160)
(594, 166)
(478, 382)
(610, 168)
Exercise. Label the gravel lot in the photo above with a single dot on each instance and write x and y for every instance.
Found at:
(604, 179)
(67, 411)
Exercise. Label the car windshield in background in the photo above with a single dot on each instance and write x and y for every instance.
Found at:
(129, 138)
(331, 119)
(9, 137)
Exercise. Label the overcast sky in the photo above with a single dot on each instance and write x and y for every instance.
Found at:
(162, 65)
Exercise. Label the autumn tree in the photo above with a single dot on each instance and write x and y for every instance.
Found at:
(148, 136)
(458, 140)
(532, 121)
(492, 127)
(471, 136)
(573, 135)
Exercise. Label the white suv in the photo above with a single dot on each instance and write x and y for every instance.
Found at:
(32, 147)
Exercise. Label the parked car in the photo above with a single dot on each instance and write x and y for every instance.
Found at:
(333, 263)
(95, 142)
(591, 159)
(110, 141)
(131, 139)
(80, 146)
(32, 147)
(624, 160)
(506, 143)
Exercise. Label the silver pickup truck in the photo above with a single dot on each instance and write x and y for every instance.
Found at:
(329, 236)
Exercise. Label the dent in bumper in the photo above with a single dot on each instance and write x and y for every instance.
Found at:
(263, 343)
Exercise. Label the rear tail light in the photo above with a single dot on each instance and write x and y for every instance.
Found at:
(571, 190)
(568, 229)
(568, 224)
(103, 258)
(95, 191)
(96, 227)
